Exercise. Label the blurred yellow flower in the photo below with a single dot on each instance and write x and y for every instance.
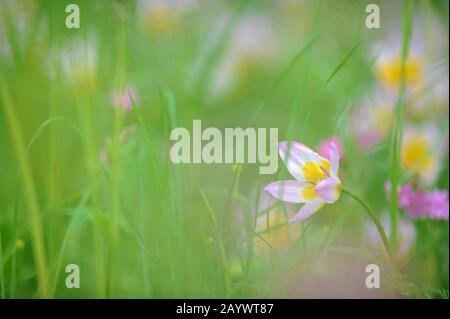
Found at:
(272, 230)
(161, 20)
(422, 152)
(389, 71)
(162, 17)
(416, 154)
(78, 61)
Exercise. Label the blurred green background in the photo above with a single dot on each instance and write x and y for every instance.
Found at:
(85, 173)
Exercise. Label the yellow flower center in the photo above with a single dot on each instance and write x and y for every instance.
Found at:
(309, 193)
(389, 72)
(416, 155)
(314, 172)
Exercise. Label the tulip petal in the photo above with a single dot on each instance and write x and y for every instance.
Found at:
(291, 191)
(334, 160)
(328, 190)
(295, 155)
(307, 210)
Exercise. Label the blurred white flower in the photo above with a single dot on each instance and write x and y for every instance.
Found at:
(373, 118)
(426, 86)
(405, 240)
(78, 62)
(162, 16)
(20, 14)
(425, 53)
(432, 101)
(250, 47)
(423, 149)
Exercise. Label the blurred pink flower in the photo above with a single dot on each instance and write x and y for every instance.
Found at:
(433, 205)
(124, 136)
(325, 147)
(367, 139)
(438, 204)
(123, 100)
(414, 203)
